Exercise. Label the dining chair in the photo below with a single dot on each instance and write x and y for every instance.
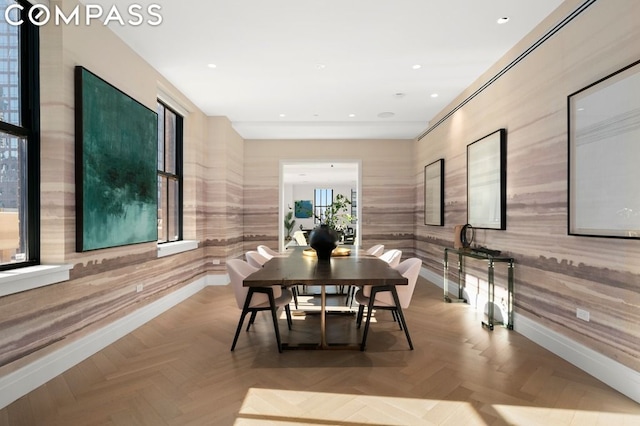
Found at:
(375, 250)
(392, 257)
(300, 238)
(256, 299)
(267, 252)
(393, 298)
(257, 260)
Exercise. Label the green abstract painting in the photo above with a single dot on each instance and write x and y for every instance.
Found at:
(116, 160)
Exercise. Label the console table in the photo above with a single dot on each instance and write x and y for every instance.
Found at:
(491, 261)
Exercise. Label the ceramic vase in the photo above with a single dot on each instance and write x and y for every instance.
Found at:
(323, 240)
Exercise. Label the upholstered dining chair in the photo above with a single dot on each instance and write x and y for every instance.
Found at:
(375, 250)
(384, 297)
(256, 299)
(267, 251)
(257, 260)
(392, 257)
(300, 238)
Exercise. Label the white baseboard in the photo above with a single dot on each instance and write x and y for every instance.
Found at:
(618, 376)
(22, 381)
(221, 279)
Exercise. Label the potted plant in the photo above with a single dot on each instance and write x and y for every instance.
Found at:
(333, 221)
(289, 223)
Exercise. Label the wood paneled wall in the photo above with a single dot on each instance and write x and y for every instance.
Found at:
(555, 273)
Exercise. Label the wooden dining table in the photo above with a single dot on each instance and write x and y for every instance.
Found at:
(297, 268)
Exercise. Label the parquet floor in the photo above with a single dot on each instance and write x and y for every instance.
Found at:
(178, 370)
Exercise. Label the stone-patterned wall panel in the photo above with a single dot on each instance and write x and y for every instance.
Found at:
(555, 273)
(387, 198)
(104, 292)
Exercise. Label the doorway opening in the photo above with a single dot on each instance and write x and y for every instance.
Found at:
(299, 181)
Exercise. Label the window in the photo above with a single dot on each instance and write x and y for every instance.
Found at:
(169, 174)
(19, 140)
(322, 198)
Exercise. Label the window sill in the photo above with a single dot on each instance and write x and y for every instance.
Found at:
(167, 249)
(23, 279)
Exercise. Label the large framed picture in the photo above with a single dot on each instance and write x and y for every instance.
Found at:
(434, 193)
(604, 156)
(116, 166)
(487, 181)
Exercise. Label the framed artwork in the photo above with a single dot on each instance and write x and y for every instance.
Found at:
(434, 193)
(604, 155)
(303, 209)
(487, 181)
(115, 165)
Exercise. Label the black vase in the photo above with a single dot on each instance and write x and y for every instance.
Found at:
(323, 240)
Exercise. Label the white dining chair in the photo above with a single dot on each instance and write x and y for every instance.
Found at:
(257, 260)
(255, 299)
(375, 250)
(383, 297)
(300, 238)
(267, 252)
(392, 257)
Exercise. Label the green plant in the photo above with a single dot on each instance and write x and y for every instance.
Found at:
(289, 223)
(337, 215)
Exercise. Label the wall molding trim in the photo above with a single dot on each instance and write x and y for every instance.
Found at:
(607, 370)
(22, 381)
(618, 376)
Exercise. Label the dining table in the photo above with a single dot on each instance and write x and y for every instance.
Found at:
(299, 266)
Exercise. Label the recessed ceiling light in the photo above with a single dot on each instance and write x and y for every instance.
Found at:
(283, 115)
(352, 115)
(434, 95)
(386, 114)
(416, 66)
(321, 66)
(503, 20)
(212, 65)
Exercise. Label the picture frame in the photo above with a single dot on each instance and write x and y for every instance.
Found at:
(487, 181)
(116, 154)
(604, 152)
(303, 209)
(434, 193)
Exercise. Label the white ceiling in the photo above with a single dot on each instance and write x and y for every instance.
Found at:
(318, 61)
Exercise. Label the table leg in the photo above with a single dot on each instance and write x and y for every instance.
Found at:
(323, 318)
(491, 296)
(510, 297)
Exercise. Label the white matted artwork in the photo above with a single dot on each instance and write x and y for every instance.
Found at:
(486, 181)
(604, 156)
(434, 193)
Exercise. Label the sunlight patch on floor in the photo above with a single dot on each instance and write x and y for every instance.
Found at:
(275, 406)
(297, 407)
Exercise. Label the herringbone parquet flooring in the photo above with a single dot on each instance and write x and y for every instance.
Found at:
(178, 370)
